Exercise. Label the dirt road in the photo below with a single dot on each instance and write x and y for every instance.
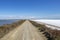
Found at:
(24, 32)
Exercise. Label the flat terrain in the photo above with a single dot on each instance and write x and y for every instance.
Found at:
(26, 31)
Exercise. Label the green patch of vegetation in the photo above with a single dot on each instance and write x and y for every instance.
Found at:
(9, 27)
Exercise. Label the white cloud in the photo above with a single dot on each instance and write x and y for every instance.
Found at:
(15, 17)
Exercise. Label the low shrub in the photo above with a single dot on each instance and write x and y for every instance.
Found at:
(9, 27)
(49, 33)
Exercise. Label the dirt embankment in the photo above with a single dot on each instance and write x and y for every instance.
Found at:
(26, 31)
(49, 33)
(9, 27)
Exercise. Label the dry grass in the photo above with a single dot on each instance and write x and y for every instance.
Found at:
(9, 27)
(52, 34)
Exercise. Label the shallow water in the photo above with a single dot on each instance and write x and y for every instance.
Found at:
(2, 22)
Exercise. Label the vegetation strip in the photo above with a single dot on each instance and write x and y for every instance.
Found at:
(49, 33)
(9, 27)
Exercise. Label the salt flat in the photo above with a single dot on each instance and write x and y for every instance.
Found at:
(52, 22)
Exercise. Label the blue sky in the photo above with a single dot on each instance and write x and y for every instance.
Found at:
(29, 8)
